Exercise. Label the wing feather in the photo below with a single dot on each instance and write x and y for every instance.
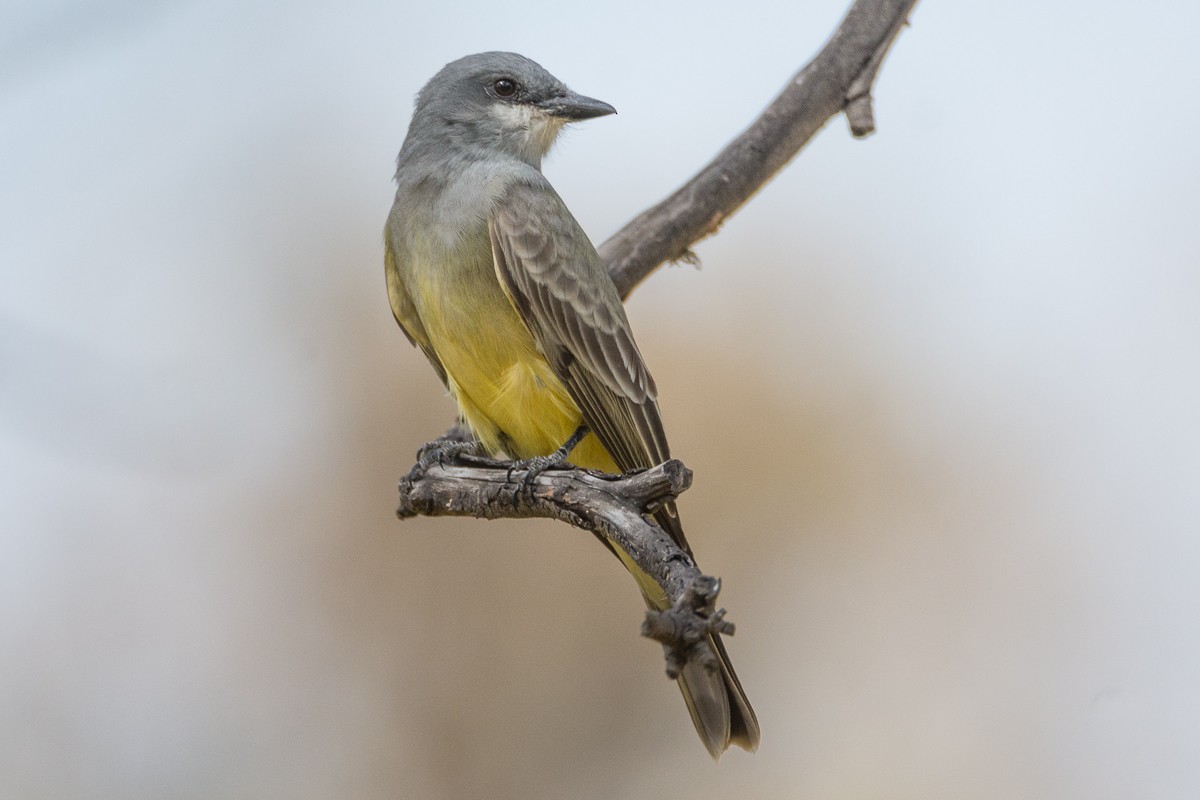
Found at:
(567, 300)
(562, 289)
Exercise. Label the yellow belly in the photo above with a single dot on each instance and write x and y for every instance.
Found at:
(506, 391)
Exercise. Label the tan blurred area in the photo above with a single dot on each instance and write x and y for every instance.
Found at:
(938, 389)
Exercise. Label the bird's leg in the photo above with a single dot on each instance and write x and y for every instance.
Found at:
(538, 464)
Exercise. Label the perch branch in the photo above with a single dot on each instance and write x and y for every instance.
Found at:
(838, 78)
(612, 506)
(473, 486)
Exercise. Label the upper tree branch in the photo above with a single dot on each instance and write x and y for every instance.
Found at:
(839, 78)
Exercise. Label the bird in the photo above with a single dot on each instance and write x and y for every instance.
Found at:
(493, 279)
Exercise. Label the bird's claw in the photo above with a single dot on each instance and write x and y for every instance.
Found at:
(440, 451)
(538, 464)
(532, 467)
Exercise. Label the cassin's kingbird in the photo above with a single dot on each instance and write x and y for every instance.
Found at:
(490, 275)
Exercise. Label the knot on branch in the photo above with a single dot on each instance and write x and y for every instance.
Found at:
(683, 629)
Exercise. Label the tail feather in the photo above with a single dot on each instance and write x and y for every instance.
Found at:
(743, 724)
(714, 695)
(718, 705)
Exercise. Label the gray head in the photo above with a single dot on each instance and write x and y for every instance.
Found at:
(494, 104)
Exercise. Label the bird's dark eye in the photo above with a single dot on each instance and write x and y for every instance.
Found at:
(504, 87)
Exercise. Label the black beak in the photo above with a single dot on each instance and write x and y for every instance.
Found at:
(573, 106)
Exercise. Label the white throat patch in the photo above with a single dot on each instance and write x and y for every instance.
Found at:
(533, 129)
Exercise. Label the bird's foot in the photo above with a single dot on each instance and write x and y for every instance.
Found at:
(440, 451)
(532, 467)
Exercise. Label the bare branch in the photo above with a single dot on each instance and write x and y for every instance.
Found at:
(838, 78)
(471, 486)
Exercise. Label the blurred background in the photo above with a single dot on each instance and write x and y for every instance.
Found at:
(939, 389)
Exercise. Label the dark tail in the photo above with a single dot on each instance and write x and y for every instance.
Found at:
(720, 711)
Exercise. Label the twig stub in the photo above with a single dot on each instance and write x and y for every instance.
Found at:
(683, 629)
